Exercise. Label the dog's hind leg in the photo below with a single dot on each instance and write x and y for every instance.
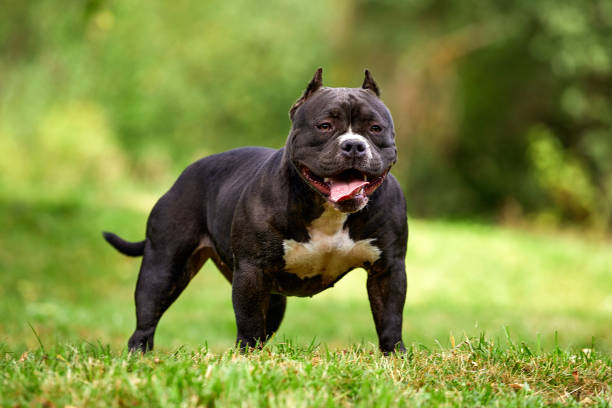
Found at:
(275, 313)
(162, 278)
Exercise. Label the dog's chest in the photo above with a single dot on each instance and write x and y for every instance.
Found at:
(330, 251)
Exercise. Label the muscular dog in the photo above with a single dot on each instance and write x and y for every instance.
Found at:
(286, 222)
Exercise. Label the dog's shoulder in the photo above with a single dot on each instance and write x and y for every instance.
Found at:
(235, 157)
(245, 160)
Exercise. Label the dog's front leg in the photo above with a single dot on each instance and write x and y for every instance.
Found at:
(387, 293)
(250, 300)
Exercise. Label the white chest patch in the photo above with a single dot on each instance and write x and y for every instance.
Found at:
(330, 251)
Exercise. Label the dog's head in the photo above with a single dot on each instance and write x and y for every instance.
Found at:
(342, 141)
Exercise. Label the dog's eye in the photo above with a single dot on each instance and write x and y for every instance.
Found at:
(324, 126)
(375, 129)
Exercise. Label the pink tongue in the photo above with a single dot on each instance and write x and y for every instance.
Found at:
(341, 190)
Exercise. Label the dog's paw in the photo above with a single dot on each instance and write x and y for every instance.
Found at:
(140, 341)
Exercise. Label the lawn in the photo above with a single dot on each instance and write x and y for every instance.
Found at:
(473, 373)
(494, 315)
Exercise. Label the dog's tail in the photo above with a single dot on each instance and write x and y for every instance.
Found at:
(123, 246)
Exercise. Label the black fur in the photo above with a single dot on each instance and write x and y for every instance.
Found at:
(238, 208)
(123, 246)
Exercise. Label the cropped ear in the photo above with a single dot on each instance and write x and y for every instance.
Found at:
(315, 83)
(369, 83)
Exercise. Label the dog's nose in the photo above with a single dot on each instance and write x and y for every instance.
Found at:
(353, 148)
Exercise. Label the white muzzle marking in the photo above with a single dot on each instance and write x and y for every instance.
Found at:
(349, 135)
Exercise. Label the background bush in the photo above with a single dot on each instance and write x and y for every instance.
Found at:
(503, 109)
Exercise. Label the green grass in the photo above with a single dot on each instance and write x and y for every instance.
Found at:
(551, 292)
(61, 277)
(474, 373)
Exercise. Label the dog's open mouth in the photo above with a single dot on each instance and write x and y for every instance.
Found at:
(345, 185)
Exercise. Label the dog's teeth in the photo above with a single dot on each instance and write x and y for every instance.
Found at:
(365, 177)
(326, 179)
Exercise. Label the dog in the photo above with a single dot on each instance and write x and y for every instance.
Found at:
(286, 222)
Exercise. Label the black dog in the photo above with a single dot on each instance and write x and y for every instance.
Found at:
(287, 222)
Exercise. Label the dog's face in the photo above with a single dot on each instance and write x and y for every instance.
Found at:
(342, 142)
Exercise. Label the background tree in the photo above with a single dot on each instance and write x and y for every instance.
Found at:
(503, 109)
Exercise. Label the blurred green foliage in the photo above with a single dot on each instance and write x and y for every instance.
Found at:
(503, 109)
